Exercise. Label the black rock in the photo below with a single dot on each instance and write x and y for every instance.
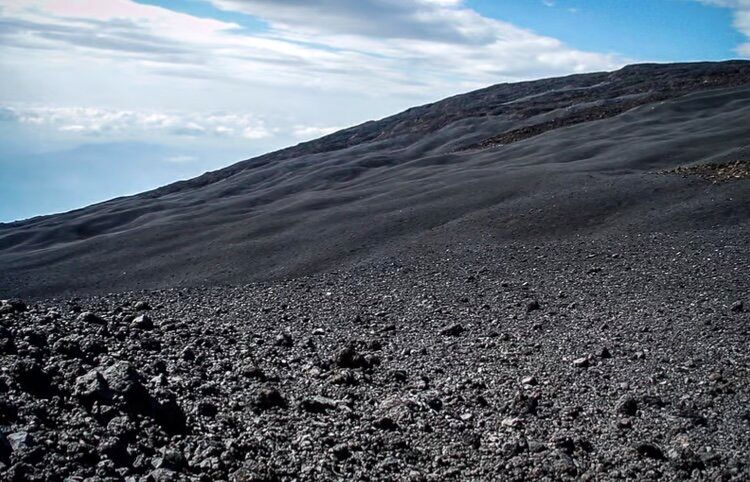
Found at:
(695, 417)
(649, 450)
(19, 472)
(385, 423)
(434, 403)
(116, 450)
(31, 378)
(167, 412)
(92, 387)
(398, 375)
(160, 366)
(122, 427)
(317, 404)
(33, 337)
(67, 347)
(89, 317)
(472, 439)
(517, 446)
(12, 306)
(532, 305)
(125, 383)
(253, 474)
(269, 398)
(253, 372)
(654, 401)
(188, 354)
(162, 475)
(8, 411)
(7, 345)
(92, 347)
(371, 361)
(142, 322)
(309, 343)
(349, 358)
(627, 405)
(582, 362)
(5, 450)
(564, 464)
(452, 330)
(526, 403)
(285, 340)
(685, 460)
(341, 451)
(530, 380)
(603, 352)
(169, 458)
(20, 441)
(206, 409)
(563, 443)
(344, 377)
(737, 307)
(572, 412)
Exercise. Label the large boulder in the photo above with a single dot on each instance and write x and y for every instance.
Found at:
(121, 385)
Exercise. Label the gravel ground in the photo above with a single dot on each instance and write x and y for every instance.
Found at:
(587, 359)
(716, 172)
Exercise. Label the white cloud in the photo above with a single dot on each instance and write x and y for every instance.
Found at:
(181, 159)
(255, 133)
(96, 121)
(72, 128)
(313, 132)
(149, 72)
(741, 22)
(420, 42)
(393, 45)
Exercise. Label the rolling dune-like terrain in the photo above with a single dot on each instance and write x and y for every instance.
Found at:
(544, 159)
(540, 280)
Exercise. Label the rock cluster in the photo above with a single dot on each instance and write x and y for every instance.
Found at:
(384, 375)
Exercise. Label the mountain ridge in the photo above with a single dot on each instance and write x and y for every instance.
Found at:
(311, 147)
(412, 183)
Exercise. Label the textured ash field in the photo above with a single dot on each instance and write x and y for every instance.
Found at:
(568, 360)
(546, 309)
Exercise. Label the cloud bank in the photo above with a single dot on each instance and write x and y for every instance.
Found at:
(99, 122)
(119, 69)
(741, 13)
(392, 45)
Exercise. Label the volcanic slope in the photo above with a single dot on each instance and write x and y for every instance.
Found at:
(531, 161)
(536, 281)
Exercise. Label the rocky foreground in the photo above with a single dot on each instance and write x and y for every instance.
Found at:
(593, 359)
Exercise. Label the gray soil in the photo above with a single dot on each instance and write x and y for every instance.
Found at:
(418, 298)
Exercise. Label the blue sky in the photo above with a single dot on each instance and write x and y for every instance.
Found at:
(108, 98)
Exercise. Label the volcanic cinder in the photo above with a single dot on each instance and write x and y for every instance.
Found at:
(546, 279)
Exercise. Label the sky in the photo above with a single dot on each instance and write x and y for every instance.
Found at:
(104, 98)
